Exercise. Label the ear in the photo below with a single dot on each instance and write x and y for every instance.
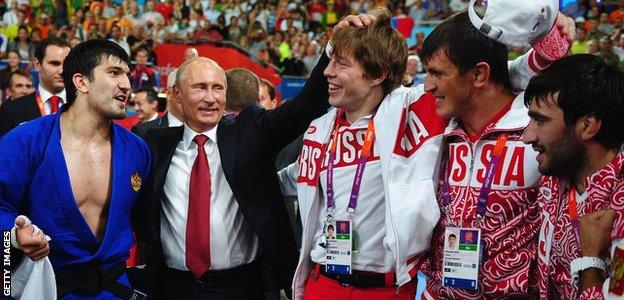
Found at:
(37, 64)
(176, 93)
(587, 127)
(481, 73)
(380, 79)
(81, 83)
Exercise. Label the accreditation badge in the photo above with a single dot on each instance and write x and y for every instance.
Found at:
(339, 241)
(462, 248)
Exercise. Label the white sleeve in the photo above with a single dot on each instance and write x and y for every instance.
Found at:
(522, 69)
(288, 179)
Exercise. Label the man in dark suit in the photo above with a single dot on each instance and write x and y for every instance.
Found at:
(215, 223)
(49, 96)
(173, 116)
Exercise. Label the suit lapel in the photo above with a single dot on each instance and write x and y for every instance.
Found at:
(227, 138)
(165, 141)
(32, 109)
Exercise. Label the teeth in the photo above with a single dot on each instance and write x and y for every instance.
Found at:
(333, 87)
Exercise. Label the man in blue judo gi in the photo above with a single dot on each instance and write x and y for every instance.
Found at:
(76, 175)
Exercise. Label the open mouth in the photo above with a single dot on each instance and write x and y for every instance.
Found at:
(122, 98)
(333, 88)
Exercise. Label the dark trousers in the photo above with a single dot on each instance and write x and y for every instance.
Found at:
(243, 282)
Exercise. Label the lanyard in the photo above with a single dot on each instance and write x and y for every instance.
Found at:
(573, 211)
(39, 103)
(364, 155)
(495, 158)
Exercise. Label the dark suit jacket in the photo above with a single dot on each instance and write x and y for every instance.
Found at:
(17, 111)
(248, 146)
(141, 129)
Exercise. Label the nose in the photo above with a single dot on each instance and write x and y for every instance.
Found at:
(529, 136)
(329, 70)
(430, 85)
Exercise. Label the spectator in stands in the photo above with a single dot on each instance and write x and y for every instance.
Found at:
(43, 25)
(267, 97)
(206, 33)
(404, 23)
(136, 39)
(146, 104)
(118, 38)
(257, 38)
(10, 17)
(233, 32)
(77, 26)
(134, 16)
(50, 94)
(219, 26)
(60, 13)
(35, 36)
(606, 52)
(603, 24)
(142, 75)
(119, 19)
(315, 14)
(102, 32)
(13, 64)
(243, 87)
(330, 16)
(312, 55)
(580, 44)
(22, 44)
(593, 47)
(149, 15)
(172, 118)
(20, 84)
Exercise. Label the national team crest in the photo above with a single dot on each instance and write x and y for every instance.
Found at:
(135, 180)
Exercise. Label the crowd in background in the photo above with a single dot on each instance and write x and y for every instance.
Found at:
(285, 33)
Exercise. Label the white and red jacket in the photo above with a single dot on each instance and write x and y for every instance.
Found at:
(510, 225)
(408, 164)
(558, 245)
(408, 139)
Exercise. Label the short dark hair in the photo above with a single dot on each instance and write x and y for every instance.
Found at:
(20, 72)
(243, 89)
(269, 86)
(40, 50)
(85, 57)
(465, 47)
(150, 94)
(452, 235)
(585, 85)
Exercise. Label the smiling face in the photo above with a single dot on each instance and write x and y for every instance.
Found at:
(560, 151)
(451, 89)
(348, 85)
(201, 91)
(110, 88)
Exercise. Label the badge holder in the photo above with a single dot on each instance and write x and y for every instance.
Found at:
(339, 241)
(462, 251)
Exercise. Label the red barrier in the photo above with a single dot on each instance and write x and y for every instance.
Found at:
(170, 56)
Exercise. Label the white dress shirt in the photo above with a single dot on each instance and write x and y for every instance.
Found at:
(232, 243)
(173, 121)
(45, 97)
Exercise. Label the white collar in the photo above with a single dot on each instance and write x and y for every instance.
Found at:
(189, 135)
(45, 94)
(173, 121)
